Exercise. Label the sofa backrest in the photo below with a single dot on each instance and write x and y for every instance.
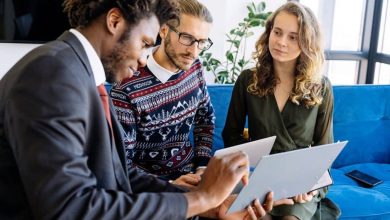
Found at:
(361, 116)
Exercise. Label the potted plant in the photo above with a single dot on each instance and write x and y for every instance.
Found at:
(227, 71)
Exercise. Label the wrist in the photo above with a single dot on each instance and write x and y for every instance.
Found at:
(198, 202)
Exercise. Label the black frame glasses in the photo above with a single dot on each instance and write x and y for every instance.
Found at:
(188, 40)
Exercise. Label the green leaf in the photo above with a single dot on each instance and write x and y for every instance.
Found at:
(235, 69)
(236, 43)
(255, 22)
(240, 33)
(264, 16)
(241, 62)
(229, 56)
(250, 9)
(224, 73)
(253, 7)
(207, 56)
(261, 6)
(215, 62)
(220, 79)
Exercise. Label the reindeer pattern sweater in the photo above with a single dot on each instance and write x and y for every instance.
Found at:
(159, 117)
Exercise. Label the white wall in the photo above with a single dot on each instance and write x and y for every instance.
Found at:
(10, 53)
(227, 14)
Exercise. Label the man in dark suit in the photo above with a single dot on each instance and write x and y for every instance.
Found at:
(61, 154)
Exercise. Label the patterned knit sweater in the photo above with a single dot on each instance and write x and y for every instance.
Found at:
(158, 118)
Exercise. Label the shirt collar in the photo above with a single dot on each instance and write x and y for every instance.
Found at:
(93, 58)
(157, 70)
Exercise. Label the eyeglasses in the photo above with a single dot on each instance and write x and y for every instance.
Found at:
(188, 40)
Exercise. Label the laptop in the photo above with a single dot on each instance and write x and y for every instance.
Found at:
(287, 174)
(254, 149)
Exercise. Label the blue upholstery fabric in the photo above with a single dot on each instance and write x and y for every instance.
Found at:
(361, 116)
(358, 202)
(220, 98)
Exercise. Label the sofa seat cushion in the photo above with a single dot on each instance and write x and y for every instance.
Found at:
(356, 201)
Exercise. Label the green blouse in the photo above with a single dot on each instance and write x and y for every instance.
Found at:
(295, 127)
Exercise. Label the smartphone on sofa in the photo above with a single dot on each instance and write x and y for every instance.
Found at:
(364, 178)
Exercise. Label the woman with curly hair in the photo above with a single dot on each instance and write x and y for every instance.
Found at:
(285, 95)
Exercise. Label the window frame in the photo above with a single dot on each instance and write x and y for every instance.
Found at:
(368, 56)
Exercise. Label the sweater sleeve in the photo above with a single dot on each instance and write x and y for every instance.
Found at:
(204, 127)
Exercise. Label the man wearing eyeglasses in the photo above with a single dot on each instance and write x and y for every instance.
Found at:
(167, 99)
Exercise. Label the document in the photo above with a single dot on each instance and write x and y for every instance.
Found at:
(287, 174)
(254, 149)
(325, 180)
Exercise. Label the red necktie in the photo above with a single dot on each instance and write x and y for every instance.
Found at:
(104, 97)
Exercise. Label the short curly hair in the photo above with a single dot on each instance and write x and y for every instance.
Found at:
(82, 12)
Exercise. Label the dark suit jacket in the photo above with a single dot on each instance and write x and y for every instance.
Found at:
(57, 160)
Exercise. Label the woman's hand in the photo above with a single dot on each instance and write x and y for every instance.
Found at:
(254, 211)
(305, 197)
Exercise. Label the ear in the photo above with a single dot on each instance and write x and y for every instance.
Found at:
(115, 21)
(164, 31)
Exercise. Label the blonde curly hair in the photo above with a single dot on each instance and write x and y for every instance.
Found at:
(307, 86)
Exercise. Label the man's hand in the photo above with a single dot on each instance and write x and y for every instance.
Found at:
(189, 180)
(218, 181)
(222, 175)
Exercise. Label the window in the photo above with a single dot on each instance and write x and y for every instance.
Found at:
(384, 33)
(342, 72)
(382, 73)
(347, 27)
(357, 39)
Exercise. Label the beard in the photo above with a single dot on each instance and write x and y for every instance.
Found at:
(111, 62)
(109, 68)
(173, 56)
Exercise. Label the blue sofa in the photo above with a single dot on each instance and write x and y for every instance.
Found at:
(361, 116)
